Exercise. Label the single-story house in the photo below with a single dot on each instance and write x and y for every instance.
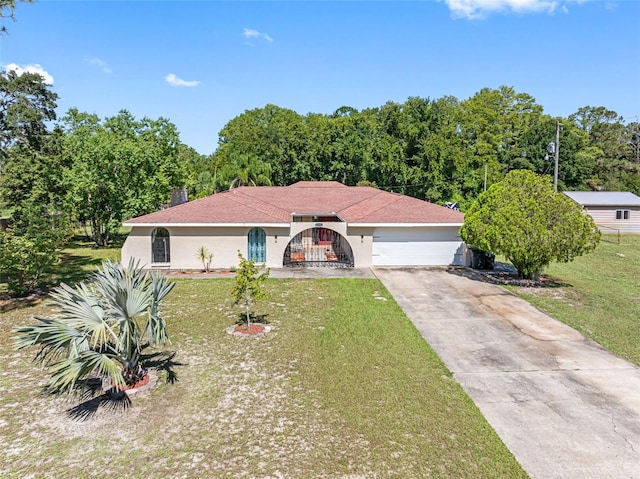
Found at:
(612, 211)
(304, 224)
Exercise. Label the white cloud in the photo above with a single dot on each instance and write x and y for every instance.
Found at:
(173, 80)
(100, 64)
(478, 9)
(35, 68)
(250, 33)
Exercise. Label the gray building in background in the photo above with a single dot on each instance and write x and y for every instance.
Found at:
(612, 211)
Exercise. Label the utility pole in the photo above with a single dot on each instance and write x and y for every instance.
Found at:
(554, 149)
(557, 151)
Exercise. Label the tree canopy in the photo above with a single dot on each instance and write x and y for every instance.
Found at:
(118, 168)
(26, 104)
(524, 218)
(437, 149)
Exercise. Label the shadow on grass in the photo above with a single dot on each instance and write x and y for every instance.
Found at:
(113, 403)
(9, 304)
(73, 268)
(507, 277)
(255, 318)
(78, 262)
(163, 361)
(94, 398)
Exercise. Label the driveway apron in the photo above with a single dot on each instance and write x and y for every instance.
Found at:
(563, 405)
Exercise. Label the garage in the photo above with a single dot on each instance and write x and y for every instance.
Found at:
(417, 246)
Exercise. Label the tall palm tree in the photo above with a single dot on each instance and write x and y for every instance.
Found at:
(101, 327)
(246, 170)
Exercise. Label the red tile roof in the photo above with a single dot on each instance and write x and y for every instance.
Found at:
(276, 204)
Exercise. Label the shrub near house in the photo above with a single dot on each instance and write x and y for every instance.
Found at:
(523, 218)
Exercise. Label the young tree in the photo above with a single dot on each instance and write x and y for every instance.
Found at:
(523, 218)
(101, 327)
(248, 285)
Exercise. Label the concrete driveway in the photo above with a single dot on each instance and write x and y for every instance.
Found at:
(563, 405)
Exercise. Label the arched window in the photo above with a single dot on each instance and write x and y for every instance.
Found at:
(257, 245)
(160, 247)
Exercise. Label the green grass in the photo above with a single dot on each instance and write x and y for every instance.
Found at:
(343, 386)
(599, 295)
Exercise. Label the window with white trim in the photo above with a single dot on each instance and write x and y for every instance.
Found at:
(623, 214)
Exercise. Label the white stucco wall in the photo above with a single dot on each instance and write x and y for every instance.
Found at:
(370, 246)
(223, 242)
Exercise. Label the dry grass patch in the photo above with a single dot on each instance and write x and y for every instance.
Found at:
(343, 386)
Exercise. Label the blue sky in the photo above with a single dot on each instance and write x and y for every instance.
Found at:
(202, 63)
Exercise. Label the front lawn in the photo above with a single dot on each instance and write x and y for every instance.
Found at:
(344, 386)
(598, 294)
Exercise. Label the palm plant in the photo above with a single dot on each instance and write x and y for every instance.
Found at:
(246, 170)
(101, 327)
(206, 257)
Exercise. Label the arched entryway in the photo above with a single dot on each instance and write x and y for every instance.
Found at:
(160, 246)
(257, 245)
(318, 247)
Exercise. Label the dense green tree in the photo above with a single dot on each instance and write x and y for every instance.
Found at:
(347, 155)
(118, 168)
(523, 218)
(101, 327)
(439, 150)
(609, 148)
(494, 123)
(198, 171)
(35, 176)
(26, 104)
(31, 246)
(272, 134)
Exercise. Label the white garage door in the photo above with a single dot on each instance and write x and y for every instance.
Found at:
(431, 246)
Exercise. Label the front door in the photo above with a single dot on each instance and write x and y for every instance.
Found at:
(257, 245)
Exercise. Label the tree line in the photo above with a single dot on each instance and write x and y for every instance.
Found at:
(437, 150)
(82, 170)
